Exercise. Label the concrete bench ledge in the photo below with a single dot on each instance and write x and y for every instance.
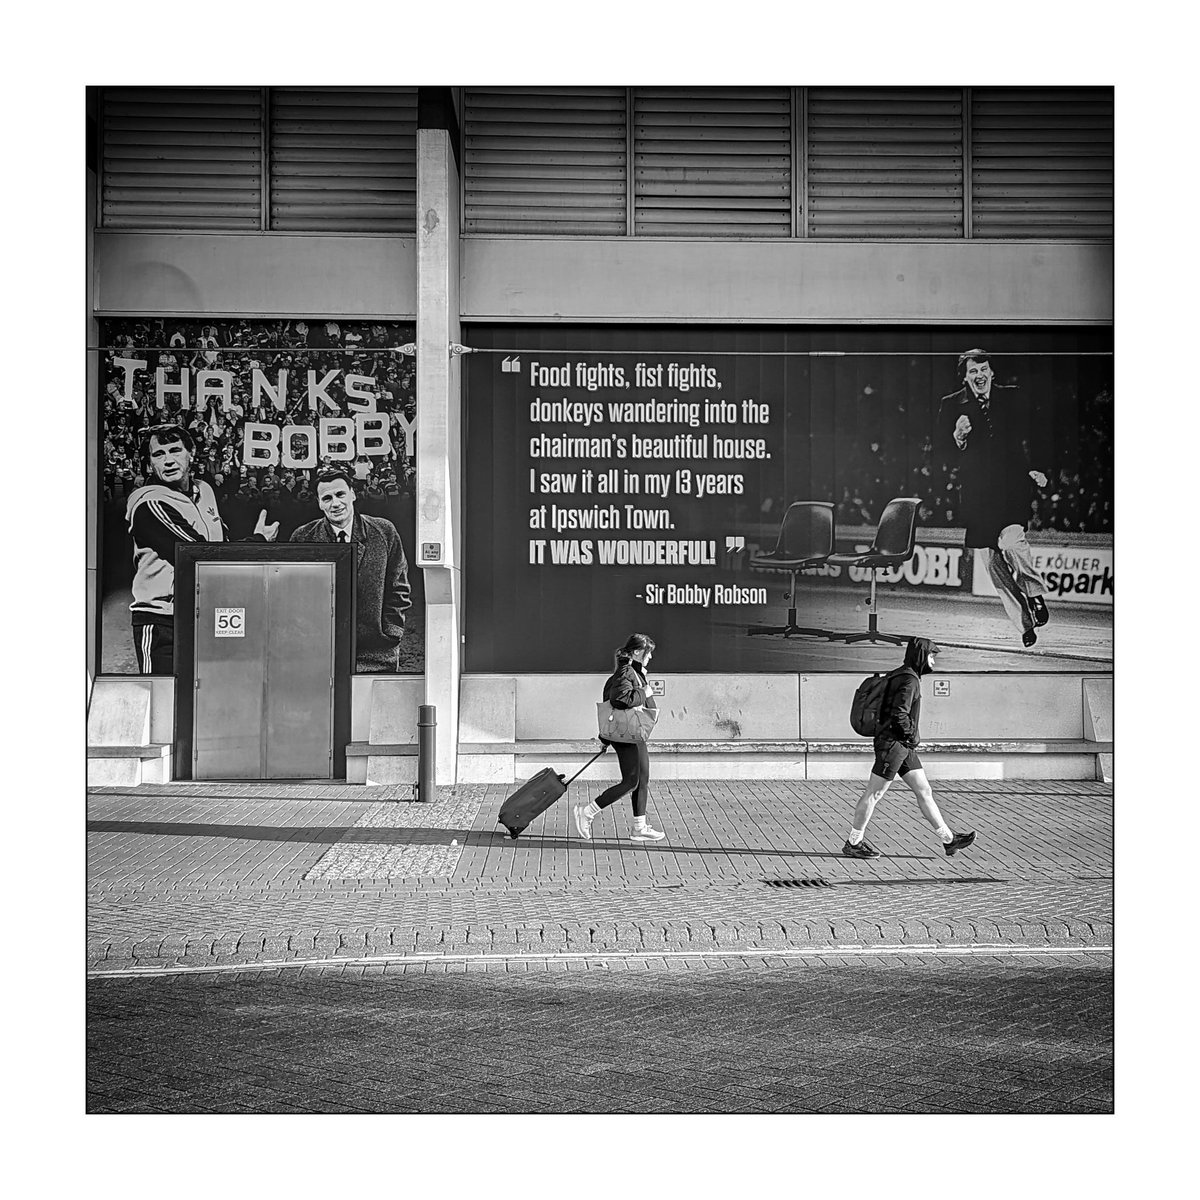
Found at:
(590, 746)
(153, 750)
(998, 746)
(855, 746)
(387, 749)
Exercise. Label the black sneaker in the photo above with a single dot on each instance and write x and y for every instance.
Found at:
(862, 850)
(1028, 638)
(960, 841)
(1039, 611)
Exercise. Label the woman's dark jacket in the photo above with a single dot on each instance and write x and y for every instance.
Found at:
(626, 687)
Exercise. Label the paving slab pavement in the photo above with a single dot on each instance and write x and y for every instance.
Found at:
(205, 876)
(994, 1035)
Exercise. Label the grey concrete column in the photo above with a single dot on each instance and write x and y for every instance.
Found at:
(439, 419)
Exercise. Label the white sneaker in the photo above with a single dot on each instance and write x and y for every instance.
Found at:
(648, 834)
(583, 823)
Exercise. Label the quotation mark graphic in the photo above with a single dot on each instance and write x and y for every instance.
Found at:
(735, 543)
(511, 364)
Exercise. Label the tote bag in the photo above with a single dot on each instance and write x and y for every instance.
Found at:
(625, 724)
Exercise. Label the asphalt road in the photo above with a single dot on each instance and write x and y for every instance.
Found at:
(937, 1034)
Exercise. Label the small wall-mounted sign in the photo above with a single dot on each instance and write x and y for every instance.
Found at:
(229, 622)
(656, 687)
(941, 687)
(431, 551)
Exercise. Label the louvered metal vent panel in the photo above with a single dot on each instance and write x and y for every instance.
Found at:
(713, 162)
(182, 158)
(545, 161)
(885, 163)
(344, 159)
(1042, 162)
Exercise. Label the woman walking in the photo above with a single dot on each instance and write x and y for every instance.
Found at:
(627, 688)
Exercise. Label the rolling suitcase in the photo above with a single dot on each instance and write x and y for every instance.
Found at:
(536, 795)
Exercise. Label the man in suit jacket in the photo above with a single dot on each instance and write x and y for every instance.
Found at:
(984, 428)
(382, 569)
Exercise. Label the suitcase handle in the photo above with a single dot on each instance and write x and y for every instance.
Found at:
(603, 747)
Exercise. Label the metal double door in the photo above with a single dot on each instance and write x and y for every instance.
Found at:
(264, 671)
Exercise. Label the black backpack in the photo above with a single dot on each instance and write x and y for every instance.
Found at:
(867, 714)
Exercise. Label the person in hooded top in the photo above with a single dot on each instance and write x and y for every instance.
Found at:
(896, 754)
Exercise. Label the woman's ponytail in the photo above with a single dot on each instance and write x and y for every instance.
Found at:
(637, 641)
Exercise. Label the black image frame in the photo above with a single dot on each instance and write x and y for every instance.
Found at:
(187, 555)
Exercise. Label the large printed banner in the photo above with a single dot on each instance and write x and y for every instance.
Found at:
(630, 480)
(264, 405)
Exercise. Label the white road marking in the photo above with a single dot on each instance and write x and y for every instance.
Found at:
(980, 949)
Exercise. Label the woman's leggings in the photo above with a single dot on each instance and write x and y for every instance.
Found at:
(634, 758)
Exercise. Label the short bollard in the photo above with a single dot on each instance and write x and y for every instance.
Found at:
(426, 752)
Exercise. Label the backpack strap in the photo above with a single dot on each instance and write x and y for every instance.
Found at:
(889, 692)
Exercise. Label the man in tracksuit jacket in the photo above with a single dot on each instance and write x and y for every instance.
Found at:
(382, 589)
(896, 754)
(174, 507)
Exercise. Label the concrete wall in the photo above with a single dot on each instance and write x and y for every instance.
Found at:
(254, 274)
(771, 708)
(119, 714)
(130, 726)
(499, 708)
(630, 279)
(927, 283)
(383, 711)
(115, 711)
(1037, 707)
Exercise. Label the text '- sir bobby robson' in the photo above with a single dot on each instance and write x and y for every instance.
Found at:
(704, 596)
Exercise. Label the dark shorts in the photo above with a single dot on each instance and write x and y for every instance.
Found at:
(894, 758)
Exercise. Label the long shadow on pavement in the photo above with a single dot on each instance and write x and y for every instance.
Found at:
(340, 835)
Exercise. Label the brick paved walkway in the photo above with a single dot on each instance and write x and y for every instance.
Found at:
(228, 875)
(995, 1035)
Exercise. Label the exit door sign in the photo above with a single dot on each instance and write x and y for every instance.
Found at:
(229, 622)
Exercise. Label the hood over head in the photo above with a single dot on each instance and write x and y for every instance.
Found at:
(917, 654)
